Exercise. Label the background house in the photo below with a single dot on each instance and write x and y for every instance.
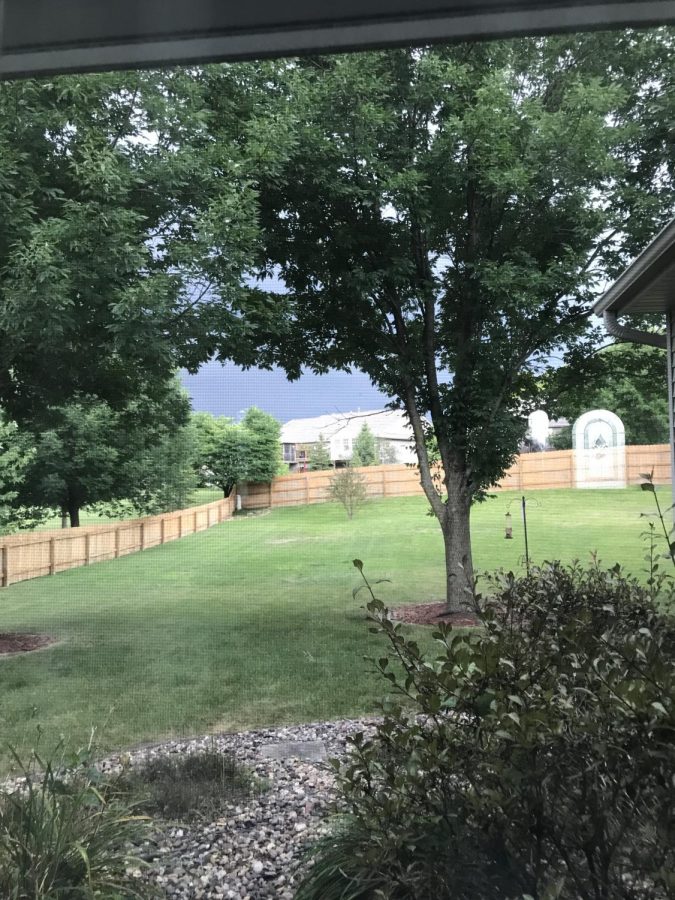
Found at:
(390, 428)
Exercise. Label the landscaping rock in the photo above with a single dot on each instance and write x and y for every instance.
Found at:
(254, 849)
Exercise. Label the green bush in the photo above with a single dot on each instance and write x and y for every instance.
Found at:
(534, 757)
(65, 833)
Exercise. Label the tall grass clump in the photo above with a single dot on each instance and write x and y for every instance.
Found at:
(66, 833)
(191, 786)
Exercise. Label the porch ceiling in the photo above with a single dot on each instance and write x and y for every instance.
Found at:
(648, 284)
(42, 36)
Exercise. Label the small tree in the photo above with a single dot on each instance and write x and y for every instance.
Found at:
(364, 451)
(320, 457)
(386, 452)
(348, 487)
(225, 459)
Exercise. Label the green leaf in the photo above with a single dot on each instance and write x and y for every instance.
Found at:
(358, 563)
(647, 486)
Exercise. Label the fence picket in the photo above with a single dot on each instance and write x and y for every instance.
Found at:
(44, 560)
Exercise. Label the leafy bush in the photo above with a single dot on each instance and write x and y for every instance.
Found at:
(348, 487)
(532, 758)
(65, 833)
(190, 786)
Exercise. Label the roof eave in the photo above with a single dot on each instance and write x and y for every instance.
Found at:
(128, 38)
(635, 282)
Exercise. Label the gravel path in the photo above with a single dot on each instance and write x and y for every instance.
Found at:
(253, 851)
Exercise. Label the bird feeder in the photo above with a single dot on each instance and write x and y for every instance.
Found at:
(508, 534)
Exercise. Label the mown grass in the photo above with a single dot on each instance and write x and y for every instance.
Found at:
(253, 622)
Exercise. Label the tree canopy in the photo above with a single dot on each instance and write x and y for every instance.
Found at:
(111, 193)
(85, 452)
(230, 453)
(627, 379)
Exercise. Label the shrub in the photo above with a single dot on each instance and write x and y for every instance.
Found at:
(65, 833)
(348, 487)
(188, 786)
(531, 758)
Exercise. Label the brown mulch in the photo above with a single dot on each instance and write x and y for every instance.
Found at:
(432, 614)
(16, 642)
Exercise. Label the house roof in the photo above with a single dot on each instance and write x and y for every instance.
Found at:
(83, 35)
(648, 284)
(387, 424)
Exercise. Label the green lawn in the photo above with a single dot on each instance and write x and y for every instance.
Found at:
(253, 622)
(90, 517)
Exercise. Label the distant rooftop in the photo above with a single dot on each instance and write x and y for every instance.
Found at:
(389, 424)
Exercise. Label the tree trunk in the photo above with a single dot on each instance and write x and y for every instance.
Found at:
(74, 513)
(458, 562)
(64, 518)
(456, 528)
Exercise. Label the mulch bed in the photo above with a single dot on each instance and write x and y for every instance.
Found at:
(432, 614)
(16, 642)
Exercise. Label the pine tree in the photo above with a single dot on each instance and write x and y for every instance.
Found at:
(320, 457)
(364, 451)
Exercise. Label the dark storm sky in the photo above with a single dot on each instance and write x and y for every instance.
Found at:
(228, 391)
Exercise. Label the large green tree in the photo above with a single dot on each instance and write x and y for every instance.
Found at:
(85, 452)
(441, 220)
(232, 452)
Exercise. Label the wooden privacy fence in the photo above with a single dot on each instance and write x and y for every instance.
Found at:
(531, 471)
(47, 552)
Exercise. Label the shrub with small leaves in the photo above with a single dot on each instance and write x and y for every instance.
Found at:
(532, 758)
(348, 487)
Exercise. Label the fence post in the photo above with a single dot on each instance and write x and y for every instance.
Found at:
(142, 535)
(52, 556)
(194, 522)
(87, 548)
(117, 542)
(5, 565)
(180, 524)
(162, 529)
(220, 511)
(384, 482)
(573, 483)
(306, 490)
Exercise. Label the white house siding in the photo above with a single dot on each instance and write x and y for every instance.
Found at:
(340, 430)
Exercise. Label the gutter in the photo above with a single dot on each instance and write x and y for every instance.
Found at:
(632, 335)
